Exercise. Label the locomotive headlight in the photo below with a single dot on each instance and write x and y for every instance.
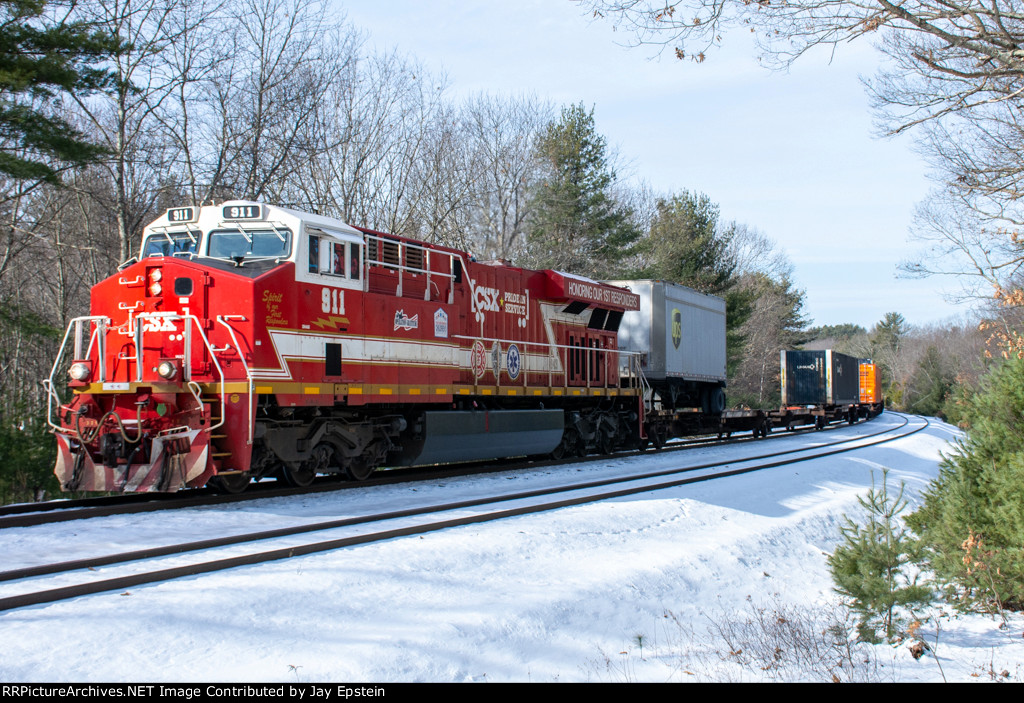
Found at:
(79, 371)
(155, 276)
(167, 370)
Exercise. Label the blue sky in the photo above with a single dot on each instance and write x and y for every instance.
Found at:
(792, 154)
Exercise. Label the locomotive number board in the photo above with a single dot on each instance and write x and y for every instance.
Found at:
(242, 212)
(181, 214)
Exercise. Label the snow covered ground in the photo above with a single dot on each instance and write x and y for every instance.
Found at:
(658, 586)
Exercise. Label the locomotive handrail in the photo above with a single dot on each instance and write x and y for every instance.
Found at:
(525, 342)
(633, 369)
(187, 362)
(223, 320)
(197, 393)
(374, 256)
(100, 322)
(632, 357)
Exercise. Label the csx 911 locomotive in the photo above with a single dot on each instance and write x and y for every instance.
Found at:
(249, 340)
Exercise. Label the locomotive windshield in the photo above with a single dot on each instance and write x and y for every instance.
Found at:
(249, 244)
(170, 244)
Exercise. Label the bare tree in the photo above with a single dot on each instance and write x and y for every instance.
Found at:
(125, 120)
(955, 71)
(986, 254)
(18, 227)
(283, 54)
(503, 135)
(775, 322)
(444, 181)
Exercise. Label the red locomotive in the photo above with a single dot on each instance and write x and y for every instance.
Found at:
(249, 340)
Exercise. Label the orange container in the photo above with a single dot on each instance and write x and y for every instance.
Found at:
(869, 392)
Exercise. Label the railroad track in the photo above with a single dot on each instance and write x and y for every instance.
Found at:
(31, 514)
(46, 583)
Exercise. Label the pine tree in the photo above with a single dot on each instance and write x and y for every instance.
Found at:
(43, 56)
(686, 245)
(578, 226)
(886, 349)
(868, 567)
(972, 520)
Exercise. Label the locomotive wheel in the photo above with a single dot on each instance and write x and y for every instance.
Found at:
(571, 445)
(605, 442)
(358, 469)
(580, 448)
(231, 483)
(302, 475)
(299, 476)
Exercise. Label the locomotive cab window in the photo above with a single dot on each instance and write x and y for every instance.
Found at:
(273, 243)
(334, 256)
(170, 244)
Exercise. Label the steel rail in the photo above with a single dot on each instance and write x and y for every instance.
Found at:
(116, 583)
(92, 562)
(32, 514)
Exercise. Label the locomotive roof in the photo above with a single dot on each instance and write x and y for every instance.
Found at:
(240, 213)
(214, 215)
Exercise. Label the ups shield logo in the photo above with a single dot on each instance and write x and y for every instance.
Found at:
(677, 327)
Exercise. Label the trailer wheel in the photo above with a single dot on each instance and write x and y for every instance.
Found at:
(713, 401)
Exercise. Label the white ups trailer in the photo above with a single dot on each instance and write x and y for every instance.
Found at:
(682, 335)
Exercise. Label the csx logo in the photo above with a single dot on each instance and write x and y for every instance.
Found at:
(159, 324)
(487, 299)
